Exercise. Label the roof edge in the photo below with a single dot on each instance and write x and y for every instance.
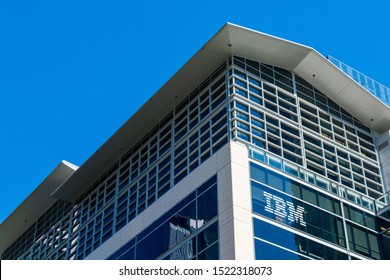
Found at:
(34, 206)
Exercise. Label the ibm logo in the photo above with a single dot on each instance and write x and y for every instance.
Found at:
(284, 209)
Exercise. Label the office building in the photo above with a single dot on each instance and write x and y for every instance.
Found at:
(257, 148)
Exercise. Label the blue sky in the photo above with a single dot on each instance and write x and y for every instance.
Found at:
(72, 72)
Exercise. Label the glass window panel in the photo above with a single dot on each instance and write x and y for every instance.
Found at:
(255, 99)
(211, 253)
(255, 90)
(185, 251)
(325, 202)
(128, 255)
(309, 195)
(293, 188)
(243, 126)
(156, 243)
(286, 97)
(242, 106)
(289, 129)
(274, 234)
(275, 180)
(240, 83)
(257, 123)
(361, 242)
(207, 206)
(265, 251)
(374, 245)
(269, 88)
(207, 237)
(242, 135)
(258, 143)
(271, 106)
(254, 81)
(274, 162)
(370, 221)
(186, 222)
(258, 133)
(242, 116)
(257, 114)
(288, 115)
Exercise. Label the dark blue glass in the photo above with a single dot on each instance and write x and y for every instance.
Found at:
(332, 254)
(156, 243)
(291, 241)
(207, 205)
(211, 253)
(258, 173)
(276, 181)
(265, 251)
(219, 115)
(274, 234)
(128, 255)
(186, 221)
(208, 236)
(207, 184)
(185, 251)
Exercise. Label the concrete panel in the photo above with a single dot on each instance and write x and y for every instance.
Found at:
(242, 206)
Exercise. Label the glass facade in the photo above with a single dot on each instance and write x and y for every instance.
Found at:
(375, 88)
(308, 222)
(189, 230)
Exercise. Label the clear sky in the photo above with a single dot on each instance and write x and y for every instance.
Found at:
(72, 72)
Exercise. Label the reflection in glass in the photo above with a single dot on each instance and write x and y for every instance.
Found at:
(180, 233)
(265, 251)
(288, 241)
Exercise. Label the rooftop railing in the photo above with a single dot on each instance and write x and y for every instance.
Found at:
(375, 88)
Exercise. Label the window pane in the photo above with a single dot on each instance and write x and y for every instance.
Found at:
(207, 237)
(207, 206)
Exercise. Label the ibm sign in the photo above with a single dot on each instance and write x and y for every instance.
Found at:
(284, 209)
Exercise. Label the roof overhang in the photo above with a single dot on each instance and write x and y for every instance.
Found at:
(343, 90)
(230, 39)
(36, 204)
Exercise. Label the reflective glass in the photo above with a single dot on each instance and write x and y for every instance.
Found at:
(290, 241)
(207, 237)
(207, 205)
(265, 251)
(185, 251)
(211, 253)
(177, 230)
(186, 221)
(128, 255)
(302, 216)
(158, 242)
(363, 241)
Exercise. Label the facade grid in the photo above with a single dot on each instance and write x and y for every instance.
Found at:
(329, 142)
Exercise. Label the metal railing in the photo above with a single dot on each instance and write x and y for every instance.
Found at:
(375, 88)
